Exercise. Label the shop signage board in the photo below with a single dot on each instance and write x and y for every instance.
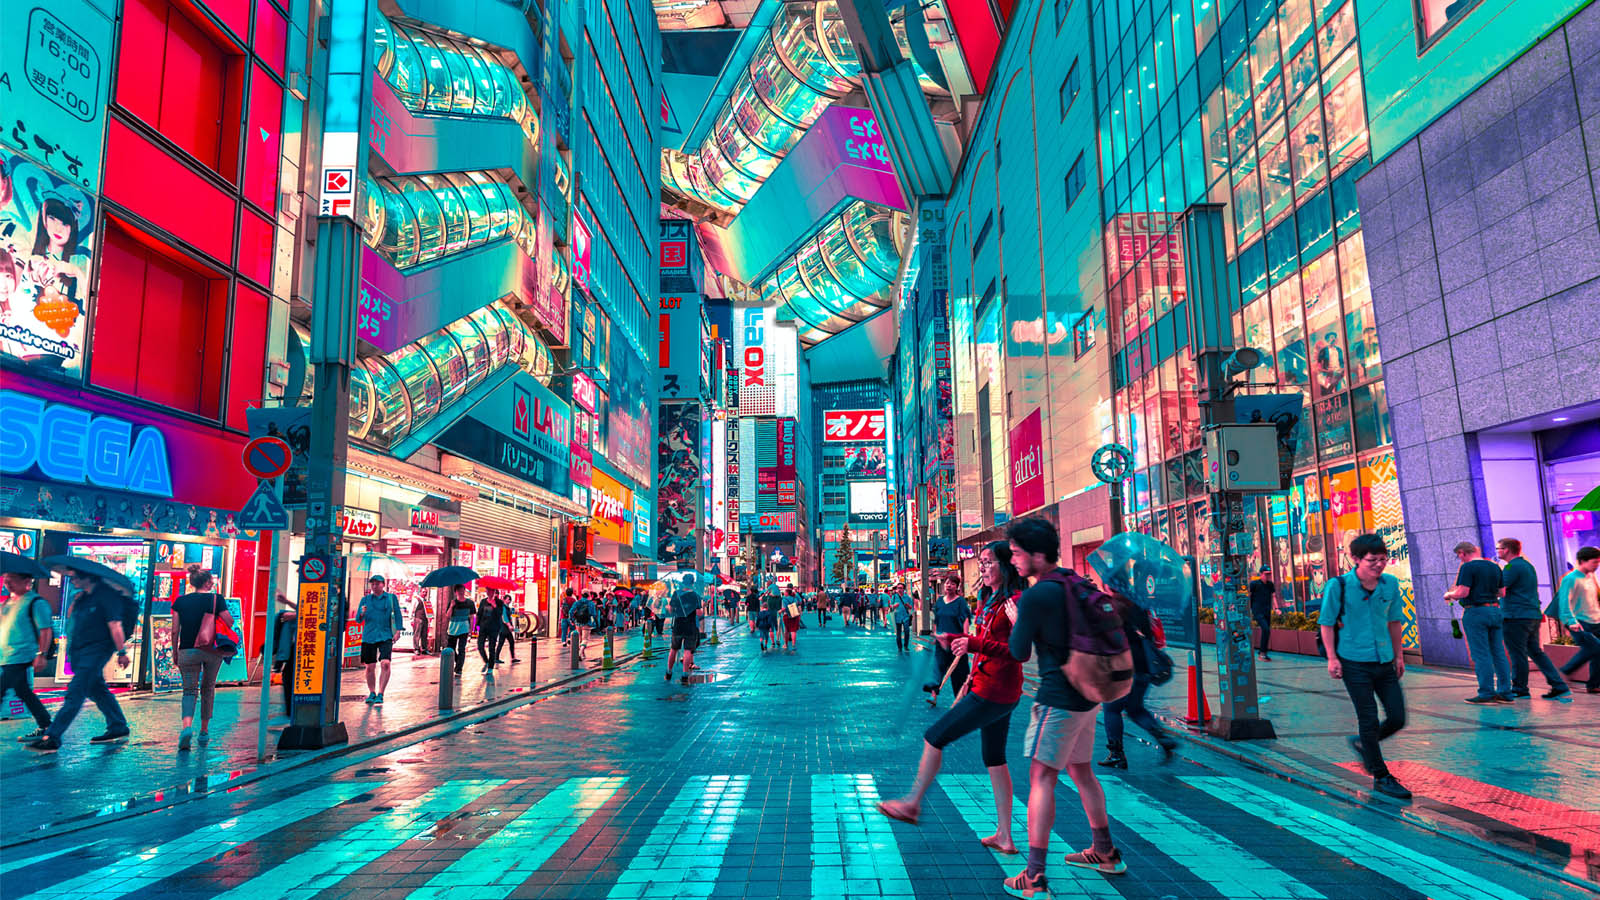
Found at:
(435, 517)
(610, 508)
(1027, 464)
(858, 426)
(44, 323)
(522, 429)
(643, 525)
(359, 524)
(57, 66)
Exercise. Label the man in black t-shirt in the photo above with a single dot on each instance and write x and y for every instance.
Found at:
(1061, 726)
(1262, 590)
(1477, 589)
(1519, 604)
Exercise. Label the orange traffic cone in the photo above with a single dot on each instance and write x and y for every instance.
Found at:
(1199, 709)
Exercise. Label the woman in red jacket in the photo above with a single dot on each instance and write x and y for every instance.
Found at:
(992, 693)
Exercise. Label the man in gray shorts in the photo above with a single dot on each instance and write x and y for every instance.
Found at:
(1061, 728)
(685, 610)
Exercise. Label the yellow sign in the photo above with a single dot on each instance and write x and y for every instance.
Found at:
(310, 637)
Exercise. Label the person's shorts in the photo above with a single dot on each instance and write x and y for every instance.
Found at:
(686, 642)
(371, 653)
(1060, 737)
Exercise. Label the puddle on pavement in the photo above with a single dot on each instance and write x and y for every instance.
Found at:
(375, 771)
(675, 698)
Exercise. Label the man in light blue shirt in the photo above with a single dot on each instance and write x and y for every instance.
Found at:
(1361, 619)
(25, 636)
(380, 618)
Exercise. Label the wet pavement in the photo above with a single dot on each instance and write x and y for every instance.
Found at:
(755, 780)
(83, 779)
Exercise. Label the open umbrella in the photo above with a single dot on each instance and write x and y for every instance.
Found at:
(1144, 570)
(85, 566)
(17, 564)
(495, 582)
(449, 576)
(624, 592)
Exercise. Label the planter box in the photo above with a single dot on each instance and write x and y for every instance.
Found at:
(1285, 641)
(1308, 643)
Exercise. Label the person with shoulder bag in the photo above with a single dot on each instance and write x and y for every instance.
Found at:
(26, 636)
(1149, 665)
(196, 617)
(460, 627)
(1361, 620)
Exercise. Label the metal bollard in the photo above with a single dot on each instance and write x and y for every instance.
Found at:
(606, 658)
(533, 661)
(574, 637)
(447, 678)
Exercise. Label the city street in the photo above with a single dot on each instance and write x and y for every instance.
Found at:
(758, 780)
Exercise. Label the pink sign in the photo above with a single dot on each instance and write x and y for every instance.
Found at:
(580, 252)
(1027, 465)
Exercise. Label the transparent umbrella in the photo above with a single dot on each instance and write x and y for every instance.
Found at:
(1151, 574)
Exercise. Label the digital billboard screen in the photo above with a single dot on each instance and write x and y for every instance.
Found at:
(869, 502)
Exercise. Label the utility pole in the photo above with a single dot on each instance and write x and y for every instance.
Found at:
(337, 293)
(1205, 269)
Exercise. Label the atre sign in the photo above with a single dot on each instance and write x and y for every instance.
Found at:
(1027, 465)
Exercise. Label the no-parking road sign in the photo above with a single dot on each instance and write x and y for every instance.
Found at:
(267, 457)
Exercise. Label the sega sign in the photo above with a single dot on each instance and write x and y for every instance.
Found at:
(73, 445)
(854, 426)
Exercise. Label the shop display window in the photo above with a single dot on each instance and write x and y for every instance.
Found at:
(1370, 409)
(1302, 71)
(1315, 222)
(1265, 64)
(1328, 375)
(1258, 334)
(1309, 154)
(1216, 137)
(1277, 179)
(1283, 254)
(1347, 123)
(1247, 206)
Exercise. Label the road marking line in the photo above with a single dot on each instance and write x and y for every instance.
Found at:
(22, 863)
(853, 849)
(152, 864)
(329, 862)
(1232, 870)
(505, 859)
(1404, 865)
(973, 797)
(683, 854)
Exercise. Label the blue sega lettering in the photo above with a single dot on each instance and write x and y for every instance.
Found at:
(73, 445)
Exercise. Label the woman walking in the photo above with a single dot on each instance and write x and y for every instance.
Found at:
(950, 619)
(489, 612)
(460, 627)
(195, 619)
(986, 707)
(1136, 624)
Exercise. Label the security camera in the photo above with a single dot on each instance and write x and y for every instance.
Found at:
(1241, 361)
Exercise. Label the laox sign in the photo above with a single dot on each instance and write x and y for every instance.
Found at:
(755, 355)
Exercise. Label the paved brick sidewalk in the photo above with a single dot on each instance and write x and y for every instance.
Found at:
(1525, 775)
(756, 781)
(83, 778)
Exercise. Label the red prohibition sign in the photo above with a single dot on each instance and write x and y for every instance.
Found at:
(267, 457)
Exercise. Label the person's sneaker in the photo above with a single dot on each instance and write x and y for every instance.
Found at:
(1108, 863)
(1504, 698)
(1483, 698)
(668, 675)
(110, 737)
(44, 745)
(1562, 693)
(204, 737)
(1521, 695)
(1593, 690)
(185, 738)
(1391, 786)
(372, 698)
(31, 736)
(1023, 885)
(379, 701)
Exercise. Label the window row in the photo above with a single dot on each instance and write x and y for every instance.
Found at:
(416, 219)
(437, 74)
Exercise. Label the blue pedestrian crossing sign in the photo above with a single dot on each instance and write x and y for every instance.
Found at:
(263, 511)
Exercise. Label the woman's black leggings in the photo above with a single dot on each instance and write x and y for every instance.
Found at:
(458, 646)
(973, 713)
(488, 644)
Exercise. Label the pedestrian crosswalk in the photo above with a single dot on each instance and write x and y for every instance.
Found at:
(716, 836)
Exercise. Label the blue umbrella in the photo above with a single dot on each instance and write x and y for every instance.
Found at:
(1146, 571)
(17, 564)
(449, 576)
(85, 566)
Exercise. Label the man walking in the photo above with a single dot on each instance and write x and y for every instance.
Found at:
(902, 619)
(25, 635)
(1362, 615)
(1262, 591)
(1061, 728)
(1519, 599)
(1477, 589)
(1579, 606)
(380, 617)
(94, 633)
(419, 627)
(685, 609)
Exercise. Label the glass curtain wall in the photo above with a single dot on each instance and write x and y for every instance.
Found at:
(1258, 106)
(440, 75)
(416, 219)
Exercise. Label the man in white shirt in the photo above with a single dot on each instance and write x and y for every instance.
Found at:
(1578, 603)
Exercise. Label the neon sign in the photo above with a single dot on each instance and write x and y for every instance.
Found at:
(75, 446)
(755, 355)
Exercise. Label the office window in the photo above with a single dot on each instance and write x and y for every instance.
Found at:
(1069, 89)
(1435, 16)
(1083, 335)
(184, 79)
(1075, 180)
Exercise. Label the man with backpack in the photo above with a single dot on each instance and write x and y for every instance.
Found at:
(94, 633)
(1071, 625)
(1361, 619)
(25, 636)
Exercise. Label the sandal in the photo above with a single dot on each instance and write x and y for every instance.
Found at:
(993, 844)
(896, 810)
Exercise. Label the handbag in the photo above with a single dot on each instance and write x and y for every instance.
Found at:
(206, 637)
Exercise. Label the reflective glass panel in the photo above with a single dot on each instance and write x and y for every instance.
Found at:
(421, 381)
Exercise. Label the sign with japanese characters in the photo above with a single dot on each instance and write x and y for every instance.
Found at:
(55, 76)
(522, 429)
(856, 426)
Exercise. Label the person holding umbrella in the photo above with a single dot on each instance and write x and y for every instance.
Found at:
(94, 635)
(456, 578)
(25, 636)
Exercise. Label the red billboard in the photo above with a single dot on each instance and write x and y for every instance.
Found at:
(1027, 465)
(859, 426)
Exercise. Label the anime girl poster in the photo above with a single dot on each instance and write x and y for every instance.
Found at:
(46, 238)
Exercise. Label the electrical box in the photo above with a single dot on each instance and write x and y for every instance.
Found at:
(1243, 458)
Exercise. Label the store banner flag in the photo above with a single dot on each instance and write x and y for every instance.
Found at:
(522, 429)
(1027, 465)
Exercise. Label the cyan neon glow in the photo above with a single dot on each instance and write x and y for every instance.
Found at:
(74, 446)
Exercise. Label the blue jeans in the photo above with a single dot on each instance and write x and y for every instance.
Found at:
(1131, 705)
(1588, 641)
(1483, 626)
(1522, 644)
(88, 683)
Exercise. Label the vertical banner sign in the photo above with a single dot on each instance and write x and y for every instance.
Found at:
(677, 478)
(1027, 465)
(580, 252)
(342, 166)
(311, 629)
